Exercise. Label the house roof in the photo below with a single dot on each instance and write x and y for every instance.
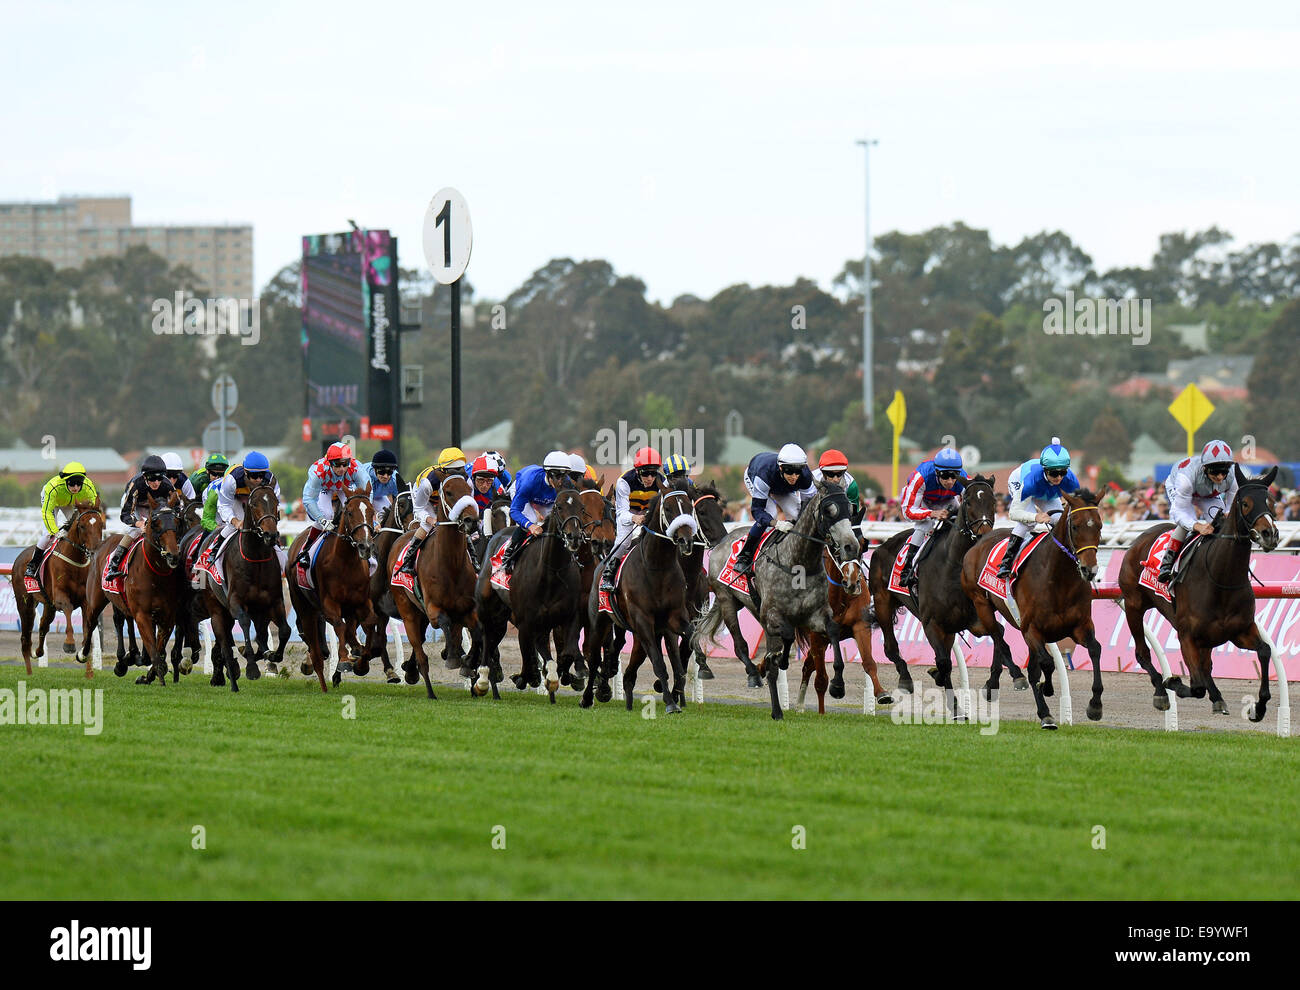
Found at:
(495, 437)
(739, 449)
(22, 459)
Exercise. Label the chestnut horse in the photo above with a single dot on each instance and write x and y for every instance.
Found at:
(850, 603)
(1213, 601)
(445, 578)
(151, 589)
(342, 583)
(64, 587)
(1053, 598)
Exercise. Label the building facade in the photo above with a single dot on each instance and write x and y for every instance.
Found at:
(74, 229)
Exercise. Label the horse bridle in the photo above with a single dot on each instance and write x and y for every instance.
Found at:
(442, 505)
(362, 547)
(71, 542)
(169, 525)
(255, 525)
(1072, 551)
(664, 520)
(700, 539)
(968, 527)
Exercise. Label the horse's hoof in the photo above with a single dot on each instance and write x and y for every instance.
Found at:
(1048, 690)
(186, 666)
(452, 664)
(884, 699)
(252, 671)
(566, 678)
(411, 676)
(1094, 711)
(604, 692)
(119, 669)
(519, 681)
(585, 701)
(70, 648)
(1220, 707)
(361, 667)
(1160, 702)
(409, 666)
(702, 670)
(836, 689)
(344, 667)
(337, 679)
(934, 673)
(551, 694)
(578, 683)
(1020, 683)
(754, 681)
(579, 670)
(658, 686)
(777, 714)
(535, 679)
(1049, 723)
(306, 669)
(672, 707)
(142, 679)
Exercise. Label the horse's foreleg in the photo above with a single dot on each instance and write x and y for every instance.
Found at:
(1039, 661)
(1134, 613)
(634, 661)
(1089, 640)
(886, 609)
(1252, 640)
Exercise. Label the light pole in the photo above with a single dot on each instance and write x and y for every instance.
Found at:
(868, 391)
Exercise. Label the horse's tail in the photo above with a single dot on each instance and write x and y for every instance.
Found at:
(802, 642)
(706, 627)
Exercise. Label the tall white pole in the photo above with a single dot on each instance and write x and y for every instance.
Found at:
(868, 363)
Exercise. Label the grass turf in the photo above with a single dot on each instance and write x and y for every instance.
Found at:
(401, 801)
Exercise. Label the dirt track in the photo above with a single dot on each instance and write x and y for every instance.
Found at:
(1126, 698)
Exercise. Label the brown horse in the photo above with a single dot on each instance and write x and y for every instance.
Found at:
(850, 602)
(598, 540)
(1214, 602)
(253, 594)
(151, 588)
(445, 578)
(395, 520)
(64, 587)
(651, 598)
(543, 594)
(342, 578)
(1052, 594)
(941, 606)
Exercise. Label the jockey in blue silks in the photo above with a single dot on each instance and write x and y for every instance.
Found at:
(385, 480)
(1035, 489)
(783, 478)
(535, 489)
(932, 493)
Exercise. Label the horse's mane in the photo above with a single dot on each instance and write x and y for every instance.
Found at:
(711, 489)
(1088, 495)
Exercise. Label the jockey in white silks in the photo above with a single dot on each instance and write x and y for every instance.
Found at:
(1199, 488)
(1035, 489)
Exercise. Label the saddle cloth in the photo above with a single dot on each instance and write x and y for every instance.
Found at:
(989, 579)
(406, 581)
(728, 576)
(304, 572)
(895, 572)
(33, 585)
(1151, 566)
(115, 585)
(500, 579)
(607, 601)
(210, 562)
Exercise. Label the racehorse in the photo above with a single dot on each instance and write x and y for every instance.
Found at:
(1214, 602)
(650, 600)
(790, 581)
(941, 606)
(395, 520)
(151, 587)
(253, 592)
(64, 587)
(709, 506)
(445, 579)
(598, 540)
(341, 595)
(543, 594)
(1053, 600)
(850, 605)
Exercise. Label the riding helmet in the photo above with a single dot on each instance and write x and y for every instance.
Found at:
(1054, 455)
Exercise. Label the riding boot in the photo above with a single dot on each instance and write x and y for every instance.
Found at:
(115, 561)
(908, 575)
(304, 555)
(516, 540)
(745, 561)
(1009, 557)
(607, 573)
(34, 564)
(1167, 564)
(409, 557)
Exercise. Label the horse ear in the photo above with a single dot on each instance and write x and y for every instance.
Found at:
(1239, 474)
(1268, 476)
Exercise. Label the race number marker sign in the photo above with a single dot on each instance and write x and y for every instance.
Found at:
(448, 235)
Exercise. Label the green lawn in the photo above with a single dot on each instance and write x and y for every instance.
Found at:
(400, 802)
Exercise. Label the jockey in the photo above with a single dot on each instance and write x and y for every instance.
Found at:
(177, 476)
(931, 494)
(1204, 485)
(577, 469)
(60, 492)
(213, 469)
(786, 480)
(384, 478)
(633, 492)
(485, 478)
(535, 490)
(232, 496)
(329, 476)
(833, 466)
(424, 491)
(1035, 489)
(677, 473)
(150, 482)
(504, 477)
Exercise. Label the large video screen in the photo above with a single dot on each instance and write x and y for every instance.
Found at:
(335, 328)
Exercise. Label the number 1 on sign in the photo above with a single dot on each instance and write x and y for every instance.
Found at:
(444, 221)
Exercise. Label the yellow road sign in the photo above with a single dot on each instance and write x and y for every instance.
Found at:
(1191, 409)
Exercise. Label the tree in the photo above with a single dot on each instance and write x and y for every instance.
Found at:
(1108, 439)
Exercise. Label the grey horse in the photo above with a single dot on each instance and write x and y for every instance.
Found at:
(791, 585)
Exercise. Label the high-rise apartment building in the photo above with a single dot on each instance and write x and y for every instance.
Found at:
(74, 229)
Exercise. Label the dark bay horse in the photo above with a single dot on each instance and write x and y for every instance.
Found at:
(598, 541)
(395, 520)
(710, 508)
(254, 592)
(342, 583)
(790, 581)
(446, 578)
(151, 588)
(1214, 602)
(651, 597)
(64, 587)
(1053, 597)
(543, 594)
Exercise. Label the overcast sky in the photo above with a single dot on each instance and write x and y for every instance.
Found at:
(693, 145)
